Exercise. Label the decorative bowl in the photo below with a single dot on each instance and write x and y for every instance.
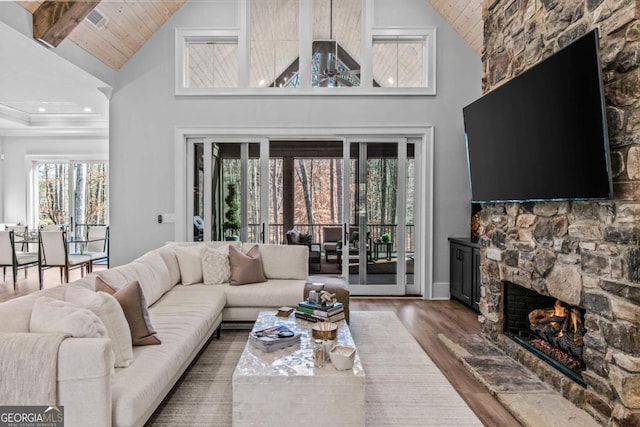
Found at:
(342, 357)
(324, 331)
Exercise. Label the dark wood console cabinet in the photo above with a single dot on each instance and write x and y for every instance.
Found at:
(464, 276)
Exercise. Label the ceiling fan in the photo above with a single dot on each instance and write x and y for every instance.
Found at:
(329, 69)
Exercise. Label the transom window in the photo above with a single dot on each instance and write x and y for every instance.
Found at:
(305, 47)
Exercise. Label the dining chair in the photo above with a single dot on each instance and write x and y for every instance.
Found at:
(20, 233)
(9, 257)
(53, 252)
(97, 243)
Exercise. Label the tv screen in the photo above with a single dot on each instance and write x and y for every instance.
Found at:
(542, 135)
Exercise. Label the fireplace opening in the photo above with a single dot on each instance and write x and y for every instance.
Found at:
(549, 328)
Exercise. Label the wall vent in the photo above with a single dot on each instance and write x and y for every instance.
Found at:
(97, 19)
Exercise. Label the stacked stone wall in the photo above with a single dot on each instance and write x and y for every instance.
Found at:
(584, 253)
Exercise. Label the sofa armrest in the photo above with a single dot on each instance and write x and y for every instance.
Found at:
(85, 367)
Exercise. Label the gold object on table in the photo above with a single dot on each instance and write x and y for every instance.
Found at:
(324, 331)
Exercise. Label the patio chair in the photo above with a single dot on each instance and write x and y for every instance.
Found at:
(294, 237)
(97, 244)
(330, 238)
(53, 252)
(9, 257)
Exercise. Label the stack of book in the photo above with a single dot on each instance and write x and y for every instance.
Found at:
(273, 338)
(319, 313)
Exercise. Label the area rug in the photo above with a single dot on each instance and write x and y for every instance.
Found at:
(404, 387)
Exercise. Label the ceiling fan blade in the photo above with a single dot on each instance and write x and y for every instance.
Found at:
(343, 81)
(352, 72)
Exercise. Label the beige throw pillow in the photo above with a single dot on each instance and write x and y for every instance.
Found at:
(107, 308)
(215, 265)
(135, 310)
(53, 315)
(190, 262)
(246, 268)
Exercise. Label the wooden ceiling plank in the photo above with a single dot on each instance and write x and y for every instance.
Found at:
(53, 21)
(149, 16)
(126, 30)
(93, 42)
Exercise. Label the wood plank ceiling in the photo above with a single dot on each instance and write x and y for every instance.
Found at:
(129, 24)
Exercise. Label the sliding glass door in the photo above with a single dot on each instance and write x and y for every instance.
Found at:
(374, 249)
(227, 200)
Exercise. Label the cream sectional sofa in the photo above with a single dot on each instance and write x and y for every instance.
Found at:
(93, 393)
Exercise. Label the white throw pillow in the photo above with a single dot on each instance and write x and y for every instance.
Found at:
(52, 315)
(190, 262)
(108, 309)
(215, 265)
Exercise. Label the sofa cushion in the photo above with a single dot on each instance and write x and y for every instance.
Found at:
(153, 276)
(134, 306)
(107, 308)
(184, 318)
(190, 261)
(15, 314)
(283, 261)
(246, 268)
(215, 265)
(274, 293)
(54, 315)
(168, 254)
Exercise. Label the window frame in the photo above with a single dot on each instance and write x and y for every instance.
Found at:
(183, 37)
(427, 35)
(242, 34)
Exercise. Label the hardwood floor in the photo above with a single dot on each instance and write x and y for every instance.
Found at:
(425, 320)
(30, 284)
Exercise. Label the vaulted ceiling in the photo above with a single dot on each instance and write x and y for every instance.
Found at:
(127, 25)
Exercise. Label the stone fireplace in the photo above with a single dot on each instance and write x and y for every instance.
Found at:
(585, 254)
(549, 328)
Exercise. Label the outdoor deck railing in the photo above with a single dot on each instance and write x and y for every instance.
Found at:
(277, 233)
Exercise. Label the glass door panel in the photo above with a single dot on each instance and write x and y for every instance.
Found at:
(410, 214)
(375, 232)
(226, 197)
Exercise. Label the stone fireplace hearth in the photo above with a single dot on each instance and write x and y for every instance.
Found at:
(586, 254)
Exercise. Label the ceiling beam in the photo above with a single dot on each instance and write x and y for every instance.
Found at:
(53, 21)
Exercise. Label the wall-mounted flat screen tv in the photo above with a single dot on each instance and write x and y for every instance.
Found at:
(543, 134)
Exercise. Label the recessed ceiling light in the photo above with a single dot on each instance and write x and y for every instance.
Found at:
(87, 109)
(390, 80)
(262, 82)
(41, 109)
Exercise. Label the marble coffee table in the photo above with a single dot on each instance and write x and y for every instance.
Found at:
(283, 387)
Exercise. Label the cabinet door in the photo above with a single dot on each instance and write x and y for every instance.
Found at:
(461, 273)
(476, 279)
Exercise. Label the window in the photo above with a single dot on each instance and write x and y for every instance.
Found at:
(398, 63)
(212, 64)
(206, 60)
(336, 48)
(71, 194)
(274, 43)
(305, 47)
(404, 58)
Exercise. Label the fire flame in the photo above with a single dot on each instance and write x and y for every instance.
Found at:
(574, 321)
(559, 310)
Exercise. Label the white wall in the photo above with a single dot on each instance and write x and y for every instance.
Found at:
(17, 154)
(144, 113)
